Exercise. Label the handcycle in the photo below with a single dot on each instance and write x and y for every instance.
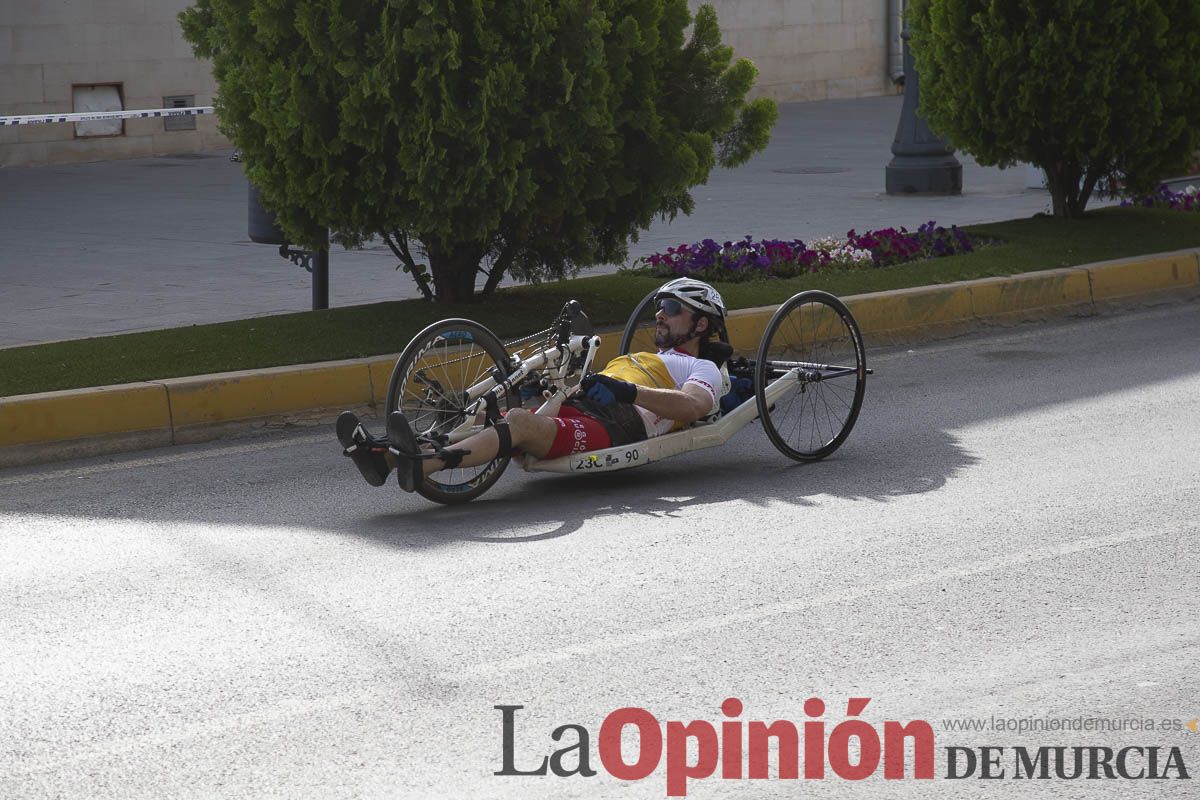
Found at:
(806, 380)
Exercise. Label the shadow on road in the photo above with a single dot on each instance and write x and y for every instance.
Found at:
(664, 489)
(908, 441)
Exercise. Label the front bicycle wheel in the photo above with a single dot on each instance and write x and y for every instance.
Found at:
(813, 341)
(429, 386)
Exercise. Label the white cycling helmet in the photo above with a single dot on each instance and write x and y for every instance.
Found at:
(696, 295)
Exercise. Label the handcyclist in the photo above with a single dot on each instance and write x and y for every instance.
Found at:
(634, 397)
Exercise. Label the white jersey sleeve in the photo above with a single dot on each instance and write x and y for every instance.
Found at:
(684, 369)
(705, 374)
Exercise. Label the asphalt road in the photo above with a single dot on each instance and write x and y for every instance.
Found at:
(1010, 532)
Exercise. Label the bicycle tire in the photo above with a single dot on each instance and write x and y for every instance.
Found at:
(812, 420)
(638, 327)
(428, 384)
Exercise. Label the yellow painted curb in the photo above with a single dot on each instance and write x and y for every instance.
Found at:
(164, 408)
(267, 392)
(910, 308)
(1055, 288)
(1136, 276)
(381, 374)
(746, 326)
(79, 413)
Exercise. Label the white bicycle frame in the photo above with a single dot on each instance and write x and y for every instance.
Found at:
(697, 436)
(554, 364)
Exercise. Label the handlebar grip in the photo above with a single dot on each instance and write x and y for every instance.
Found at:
(566, 319)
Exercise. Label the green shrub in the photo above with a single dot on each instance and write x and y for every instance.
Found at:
(523, 137)
(1091, 91)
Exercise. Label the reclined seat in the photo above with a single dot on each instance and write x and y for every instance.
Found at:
(719, 353)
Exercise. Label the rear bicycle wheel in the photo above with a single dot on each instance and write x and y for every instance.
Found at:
(814, 336)
(638, 336)
(429, 386)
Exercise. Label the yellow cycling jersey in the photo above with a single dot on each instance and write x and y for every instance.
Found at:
(666, 369)
(644, 369)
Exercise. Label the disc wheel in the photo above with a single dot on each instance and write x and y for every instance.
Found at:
(812, 332)
(429, 384)
(638, 336)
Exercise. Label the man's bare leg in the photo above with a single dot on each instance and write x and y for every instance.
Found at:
(521, 427)
(534, 434)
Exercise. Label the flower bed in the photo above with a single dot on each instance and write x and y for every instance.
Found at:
(747, 259)
(1186, 200)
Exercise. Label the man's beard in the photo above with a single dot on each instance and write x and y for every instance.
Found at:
(663, 339)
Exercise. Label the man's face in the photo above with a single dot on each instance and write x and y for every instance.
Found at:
(672, 321)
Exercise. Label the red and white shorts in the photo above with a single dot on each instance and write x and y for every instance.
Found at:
(577, 433)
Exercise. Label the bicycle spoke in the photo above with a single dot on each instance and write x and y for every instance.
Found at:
(429, 385)
(810, 333)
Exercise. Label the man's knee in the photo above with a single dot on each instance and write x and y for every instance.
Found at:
(530, 431)
(521, 422)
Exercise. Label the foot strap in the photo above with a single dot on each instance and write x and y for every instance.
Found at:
(452, 457)
(365, 441)
(364, 447)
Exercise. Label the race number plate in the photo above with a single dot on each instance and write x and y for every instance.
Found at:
(593, 462)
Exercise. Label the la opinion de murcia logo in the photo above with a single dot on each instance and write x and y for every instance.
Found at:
(853, 749)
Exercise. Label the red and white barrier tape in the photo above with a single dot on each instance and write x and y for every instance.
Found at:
(90, 116)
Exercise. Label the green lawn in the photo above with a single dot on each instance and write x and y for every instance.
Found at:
(1026, 245)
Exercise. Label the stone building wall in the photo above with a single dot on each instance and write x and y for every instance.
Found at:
(810, 49)
(804, 49)
(47, 47)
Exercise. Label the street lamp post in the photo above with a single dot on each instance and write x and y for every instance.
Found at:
(923, 162)
(262, 229)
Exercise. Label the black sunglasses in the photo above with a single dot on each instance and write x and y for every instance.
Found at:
(670, 307)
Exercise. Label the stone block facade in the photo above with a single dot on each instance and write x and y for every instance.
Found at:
(48, 47)
(810, 49)
(804, 50)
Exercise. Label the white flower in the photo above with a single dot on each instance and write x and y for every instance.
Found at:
(827, 244)
(843, 255)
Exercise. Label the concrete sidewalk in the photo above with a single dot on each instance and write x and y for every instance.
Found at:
(94, 249)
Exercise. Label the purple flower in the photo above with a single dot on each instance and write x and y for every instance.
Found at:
(747, 259)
